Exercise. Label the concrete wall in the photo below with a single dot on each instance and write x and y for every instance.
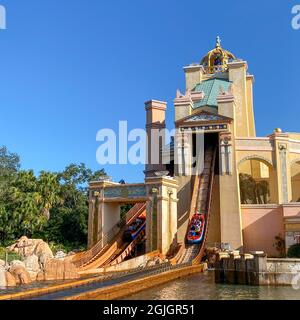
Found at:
(256, 270)
(261, 224)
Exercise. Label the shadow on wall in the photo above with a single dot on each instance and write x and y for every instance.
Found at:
(183, 207)
(260, 227)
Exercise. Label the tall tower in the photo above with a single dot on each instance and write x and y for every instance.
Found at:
(155, 125)
(218, 99)
(220, 71)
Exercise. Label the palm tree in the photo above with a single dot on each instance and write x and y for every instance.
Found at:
(48, 188)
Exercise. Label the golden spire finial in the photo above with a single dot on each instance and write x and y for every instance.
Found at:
(218, 42)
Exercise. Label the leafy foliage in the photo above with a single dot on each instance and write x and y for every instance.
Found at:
(53, 206)
(253, 192)
(294, 251)
(280, 245)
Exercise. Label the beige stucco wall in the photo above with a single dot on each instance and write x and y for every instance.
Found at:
(295, 176)
(193, 76)
(111, 216)
(214, 230)
(183, 207)
(261, 224)
(251, 121)
(237, 74)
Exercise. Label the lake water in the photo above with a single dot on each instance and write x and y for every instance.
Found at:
(203, 287)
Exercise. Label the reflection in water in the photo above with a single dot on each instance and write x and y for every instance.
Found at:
(203, 287)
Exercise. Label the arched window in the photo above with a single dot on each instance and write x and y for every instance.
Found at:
(257, 182)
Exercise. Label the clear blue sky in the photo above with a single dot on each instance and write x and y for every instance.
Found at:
(69, 68)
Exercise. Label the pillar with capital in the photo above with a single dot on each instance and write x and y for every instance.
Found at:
(161, 214)
(230, 209)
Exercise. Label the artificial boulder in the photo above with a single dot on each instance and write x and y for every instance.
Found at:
(32, 265)
(20, 274)
(2, 277)
(6, 278)
(17, 263)
(10, 280)
(27, 247)
(39, 262)
(57, 269)
(60, 255)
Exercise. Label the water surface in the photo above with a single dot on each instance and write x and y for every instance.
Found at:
(203, 287)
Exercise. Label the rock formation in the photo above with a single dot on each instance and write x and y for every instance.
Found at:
(28, 247)
(2, 263)
(211, 256)
(38, 263)
(6, 278)
(20, 274)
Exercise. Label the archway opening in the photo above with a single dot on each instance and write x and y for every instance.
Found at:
(295, 177)
(257, 182)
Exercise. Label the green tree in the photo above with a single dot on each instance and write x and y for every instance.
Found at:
(68, 220)
(9, 166)
(294, 251)
(247, 188)
(48, 188)
(253, 192)
(9, 162)
(53, 206)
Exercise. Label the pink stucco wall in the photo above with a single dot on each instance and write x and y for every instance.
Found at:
(291, 210)
(261, 224)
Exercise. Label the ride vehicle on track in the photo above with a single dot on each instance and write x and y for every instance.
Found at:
(196, 229)
(135, 228)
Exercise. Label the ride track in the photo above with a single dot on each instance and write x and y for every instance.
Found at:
(201, 201)
(115, 251)
(111, 249)
(187, 256)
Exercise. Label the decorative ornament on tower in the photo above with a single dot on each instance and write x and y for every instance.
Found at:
(216, 60)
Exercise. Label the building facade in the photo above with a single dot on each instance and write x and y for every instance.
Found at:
(255, 201)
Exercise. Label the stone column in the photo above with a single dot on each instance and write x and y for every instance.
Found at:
(161, 213)
(178, 153)
(188, 149)
(230, 209)
(281, 166)
(90, 221)
(256, 268)
(155, 125)
(241, 268)
(283, 169)
(222, 258)
(99, 214)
